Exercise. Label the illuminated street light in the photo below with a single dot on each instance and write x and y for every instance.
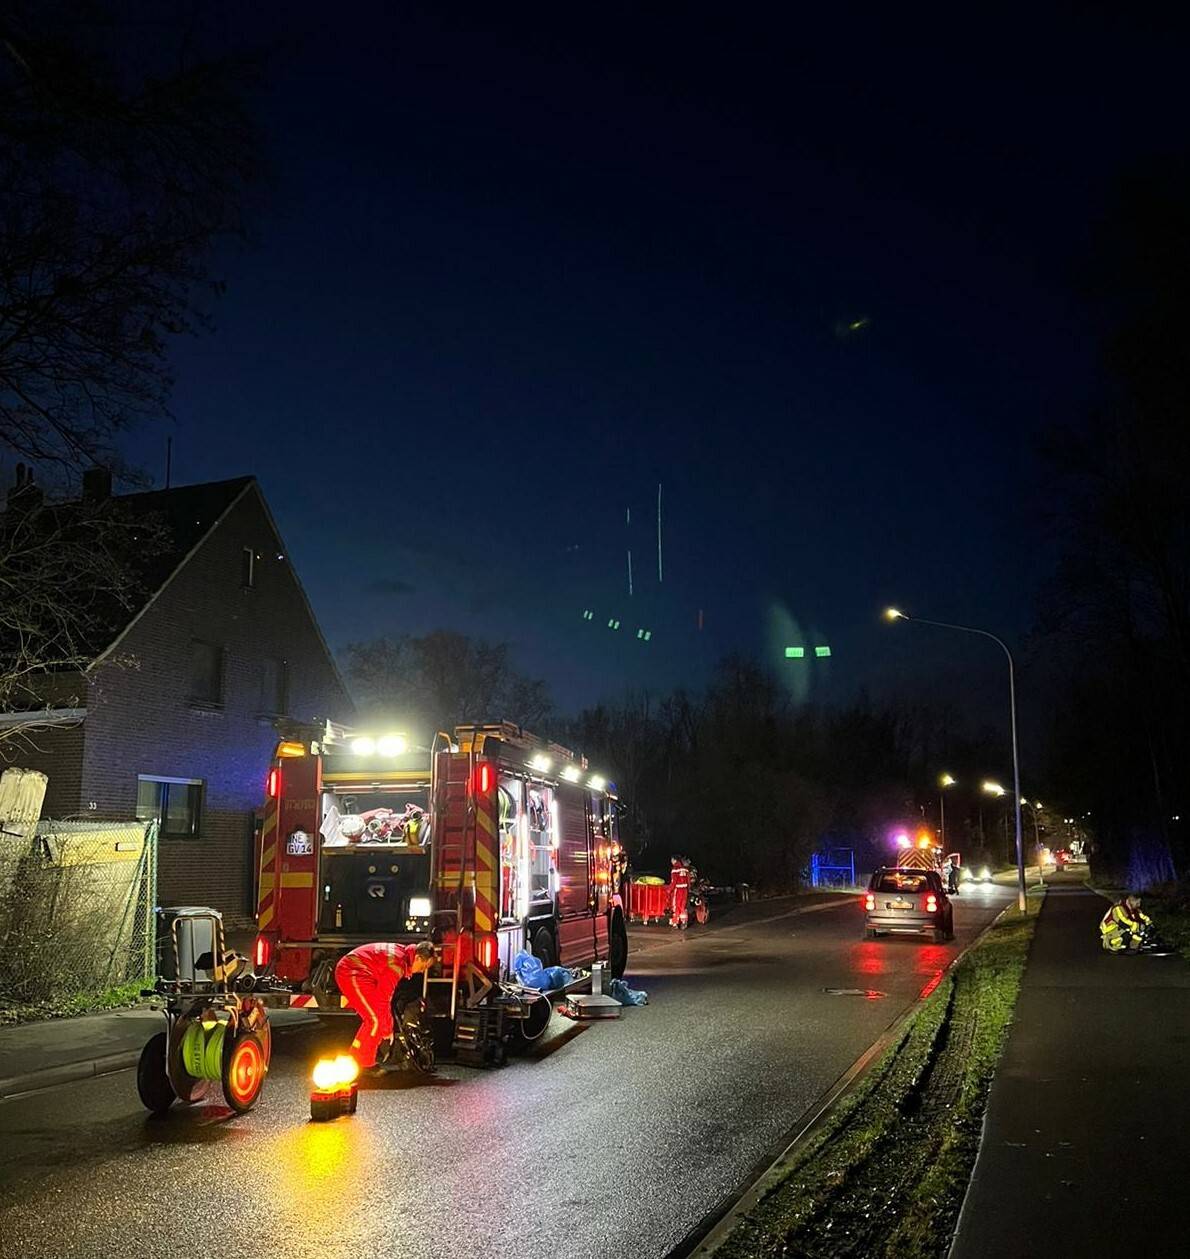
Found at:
(944, 781)
(895, 614)
(994, 789)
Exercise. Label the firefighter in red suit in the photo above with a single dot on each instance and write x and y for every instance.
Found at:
(368, 977)
(679, 885)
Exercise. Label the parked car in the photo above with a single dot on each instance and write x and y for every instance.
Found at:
(909, 902)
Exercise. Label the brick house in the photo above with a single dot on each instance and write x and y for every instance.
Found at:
(174, 716)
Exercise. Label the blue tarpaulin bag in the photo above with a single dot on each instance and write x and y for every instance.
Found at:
(529, 970)
(619, 991)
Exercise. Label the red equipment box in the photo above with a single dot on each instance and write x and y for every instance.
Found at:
(648, 901)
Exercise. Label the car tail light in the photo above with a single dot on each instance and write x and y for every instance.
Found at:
(263, 952)
(931, 904)
(869, 901)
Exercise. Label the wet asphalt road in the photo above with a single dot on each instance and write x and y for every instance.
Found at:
(616, 1141)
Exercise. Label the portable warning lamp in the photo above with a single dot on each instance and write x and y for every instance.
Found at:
(336, 1088)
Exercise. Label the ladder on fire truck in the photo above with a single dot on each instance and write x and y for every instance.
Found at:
(456, 857)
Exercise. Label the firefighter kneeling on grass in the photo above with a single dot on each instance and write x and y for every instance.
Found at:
(1123, 927)
(368, 977)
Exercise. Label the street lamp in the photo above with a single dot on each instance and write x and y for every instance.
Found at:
(895, 614)
(1036, 837)
(944, 781)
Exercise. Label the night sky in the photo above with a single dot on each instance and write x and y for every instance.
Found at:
(521, 264)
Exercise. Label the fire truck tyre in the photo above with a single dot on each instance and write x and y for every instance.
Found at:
(617, 947)
(152, 1081)
(244, 1069)
(544, 947)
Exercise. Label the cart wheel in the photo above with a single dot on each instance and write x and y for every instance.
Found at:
(152, 1081)
(538, 1020)
(244, 1068)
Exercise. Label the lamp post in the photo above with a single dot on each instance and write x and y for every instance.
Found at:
(895, 614)
(1036, 837)
(944, 781)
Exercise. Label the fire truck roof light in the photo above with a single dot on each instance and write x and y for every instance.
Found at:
(596, 783)
(541, 763)
(363, 746)
(291, 748)
(572, 773)
(392, 745)
(923, 842)
(903, 840)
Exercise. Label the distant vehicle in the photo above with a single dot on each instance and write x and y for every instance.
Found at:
(909, 902)
(1062, 858)
(982, 874)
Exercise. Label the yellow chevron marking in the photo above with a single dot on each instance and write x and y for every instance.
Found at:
(266, 916)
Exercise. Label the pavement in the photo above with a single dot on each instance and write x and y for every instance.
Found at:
(610, 1139)
(1087, 1132)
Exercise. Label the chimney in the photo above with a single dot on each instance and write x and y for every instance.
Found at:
(97, 485)
(23, 495)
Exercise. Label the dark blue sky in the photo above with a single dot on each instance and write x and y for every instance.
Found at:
(520, 265)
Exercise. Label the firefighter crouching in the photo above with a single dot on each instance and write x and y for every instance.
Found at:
(368, 978)
(1122, 928)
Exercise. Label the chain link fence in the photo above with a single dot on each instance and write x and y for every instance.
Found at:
(76, 910)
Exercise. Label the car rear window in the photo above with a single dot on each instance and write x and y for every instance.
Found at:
(903, 881)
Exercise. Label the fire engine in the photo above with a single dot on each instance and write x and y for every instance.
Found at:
(922, 853)
(489, 842)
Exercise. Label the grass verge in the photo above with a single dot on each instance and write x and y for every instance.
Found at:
(120, 997)
(886, 1174)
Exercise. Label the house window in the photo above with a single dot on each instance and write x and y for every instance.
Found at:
(248, 568)
(274, 688)
(206, 672)
(175, 803)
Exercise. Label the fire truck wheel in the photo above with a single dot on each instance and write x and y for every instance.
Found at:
(544, 948)
(244, 1068)
(617, 947)
(152, 1081)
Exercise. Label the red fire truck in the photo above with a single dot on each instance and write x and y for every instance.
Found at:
(490, 842)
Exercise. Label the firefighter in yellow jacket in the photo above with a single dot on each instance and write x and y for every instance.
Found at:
(1123, 927)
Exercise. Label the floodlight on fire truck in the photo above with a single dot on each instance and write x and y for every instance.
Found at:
(572, 773)
(419, 907)
(541, 763)
(596, 783)
(363, 746)
(392, 745)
